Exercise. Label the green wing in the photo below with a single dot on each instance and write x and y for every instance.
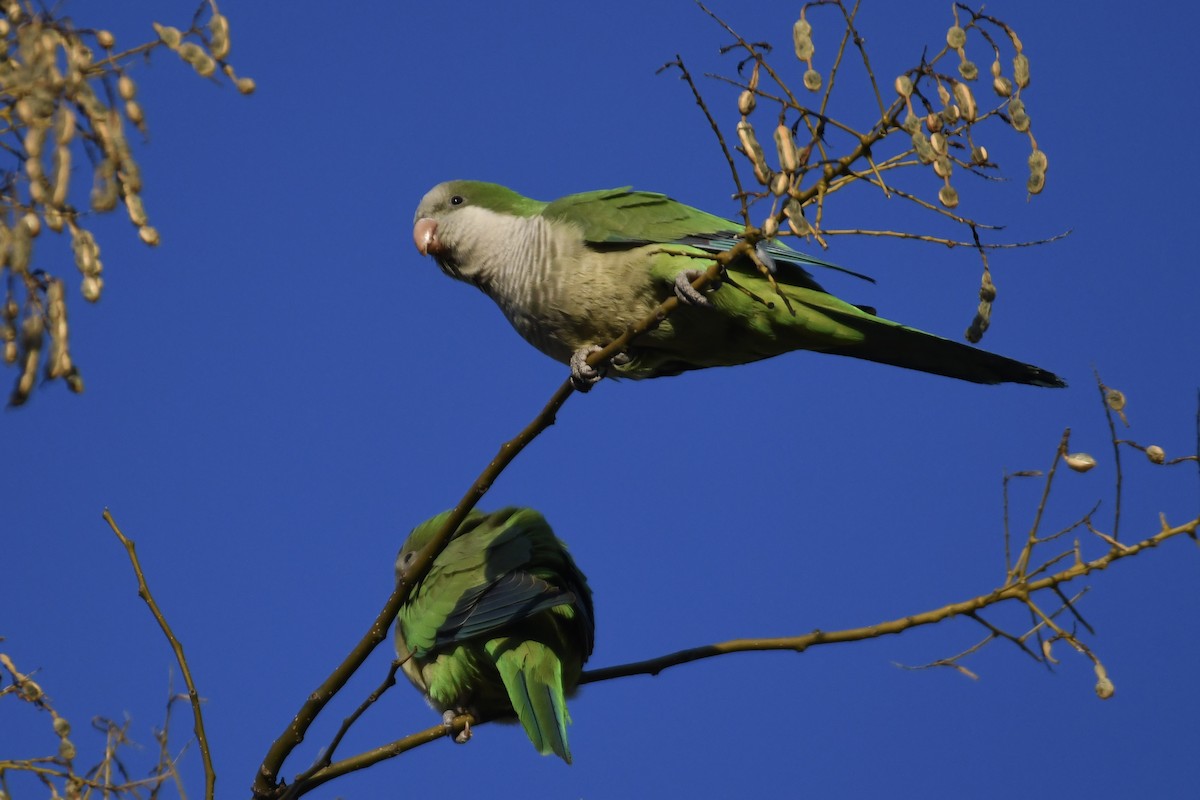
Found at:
(615, 218)
(504, 572)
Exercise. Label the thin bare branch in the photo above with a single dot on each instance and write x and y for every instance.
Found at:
(210, 773)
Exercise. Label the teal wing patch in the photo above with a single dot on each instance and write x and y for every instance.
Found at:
(511, 598)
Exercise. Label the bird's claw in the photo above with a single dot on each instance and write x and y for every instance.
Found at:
(448, 718)
(583, 375)
(690, 294)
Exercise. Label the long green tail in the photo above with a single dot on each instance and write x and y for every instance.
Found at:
(532, 674)
(889, 342)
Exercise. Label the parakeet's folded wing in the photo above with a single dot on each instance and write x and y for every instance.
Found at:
(504, 545)
(503, 602)
(624, 217)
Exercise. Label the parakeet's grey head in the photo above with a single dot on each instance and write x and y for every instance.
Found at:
(455, 213)
(420, 536)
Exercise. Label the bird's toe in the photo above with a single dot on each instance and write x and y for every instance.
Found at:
(583, 375)
(690, 294)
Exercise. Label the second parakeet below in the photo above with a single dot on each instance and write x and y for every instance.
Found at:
(573, 274)
(501, 625)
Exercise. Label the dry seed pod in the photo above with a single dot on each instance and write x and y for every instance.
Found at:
(1020, 122)
(1038, 160)
(133, 110)
(789, 160)
(218, 36)
(965, 100)
(943, 94)
(803, 43)
(90, 288)
(1104, 686)
(812, 80)
(802, 39)
(770, 227)
(54, 218)
(933, 122)
(996, 67)
(35, 139)
(779, 184)
(1021, 70)
(126, 87)
(32, 223)
(746, 102)
(34, 169)
(171, 37)
(1080, 462)
(799, 225)
(149, 235)
(942, 167)
(752, 149)
(20, 247)
(904, 85)
(245, 85)
(104, 187)
(956, 37)
(105, 39)
(911, 124)
(66, 750)
(64, 125)
(1036, 182)
(938, 142)
(201, 61)
(968, 70)
(62, 176)
(923, 149)
(1155, 454)
(948, 196)
(1115, 399)
(137, 211)
(87, 253)
(979, 154)
(1002, 86)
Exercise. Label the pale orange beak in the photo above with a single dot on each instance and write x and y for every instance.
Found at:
(425, 236)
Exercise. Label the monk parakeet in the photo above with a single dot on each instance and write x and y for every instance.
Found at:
(501, 624)
(571, 275)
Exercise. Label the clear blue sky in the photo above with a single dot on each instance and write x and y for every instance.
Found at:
(282, 389)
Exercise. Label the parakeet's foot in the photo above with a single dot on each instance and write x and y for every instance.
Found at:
(583, 375)
(688, 293)
(448, 716)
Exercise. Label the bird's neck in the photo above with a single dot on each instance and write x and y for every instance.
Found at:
(510, 258)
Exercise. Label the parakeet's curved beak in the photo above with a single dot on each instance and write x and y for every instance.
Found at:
(425, 236)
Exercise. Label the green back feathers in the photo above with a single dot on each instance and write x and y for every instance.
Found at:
(503, 592)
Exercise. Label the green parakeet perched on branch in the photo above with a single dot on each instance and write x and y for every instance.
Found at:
(573, 274)
(501, 624)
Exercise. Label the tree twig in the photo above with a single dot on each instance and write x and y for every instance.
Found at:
(210, 774)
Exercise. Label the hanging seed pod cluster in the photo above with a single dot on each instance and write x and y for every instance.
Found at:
(943, 129)
(71, 101)
(781, 180)
(938, 108)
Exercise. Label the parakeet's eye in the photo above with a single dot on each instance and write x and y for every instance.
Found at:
(457, 200)
(407, 558)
